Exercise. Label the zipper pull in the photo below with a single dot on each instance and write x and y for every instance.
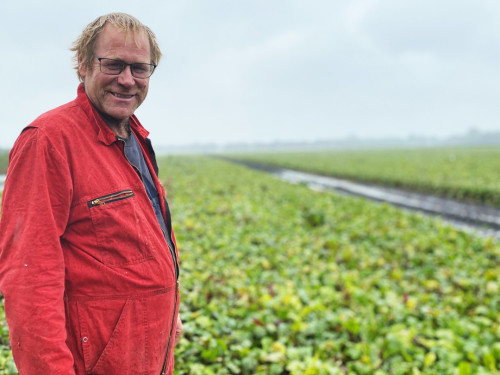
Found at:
(97, 202)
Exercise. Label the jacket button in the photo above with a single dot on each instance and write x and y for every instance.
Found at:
(85, 339)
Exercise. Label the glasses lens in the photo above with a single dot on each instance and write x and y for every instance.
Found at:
(140, 70)
(110, 66)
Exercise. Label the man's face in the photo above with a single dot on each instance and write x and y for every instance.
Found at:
(117, 96)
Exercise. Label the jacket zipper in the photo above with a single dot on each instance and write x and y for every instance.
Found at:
(101, 201)
(165, 362)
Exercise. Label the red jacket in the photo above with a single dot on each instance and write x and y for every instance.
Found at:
(89, 282)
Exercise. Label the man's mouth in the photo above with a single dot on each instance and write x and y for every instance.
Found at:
(121, 96)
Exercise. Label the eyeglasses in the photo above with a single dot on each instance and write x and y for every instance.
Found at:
(114, 67)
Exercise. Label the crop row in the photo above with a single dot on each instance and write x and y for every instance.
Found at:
(470, 174)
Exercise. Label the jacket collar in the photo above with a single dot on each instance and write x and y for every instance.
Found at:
(103, 132)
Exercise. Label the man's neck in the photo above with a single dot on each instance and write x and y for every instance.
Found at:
(121, 128)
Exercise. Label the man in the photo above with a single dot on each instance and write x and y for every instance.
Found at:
(88, 260)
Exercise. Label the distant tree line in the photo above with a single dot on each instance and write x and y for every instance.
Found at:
(472, 137)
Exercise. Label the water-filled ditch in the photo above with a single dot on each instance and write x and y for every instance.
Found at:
(479, 219)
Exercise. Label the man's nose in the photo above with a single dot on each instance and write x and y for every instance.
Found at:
(126, 78)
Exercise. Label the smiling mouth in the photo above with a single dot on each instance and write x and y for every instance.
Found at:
(121, 96)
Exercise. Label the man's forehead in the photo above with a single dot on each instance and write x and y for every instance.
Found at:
(111, 33)
(113, 36)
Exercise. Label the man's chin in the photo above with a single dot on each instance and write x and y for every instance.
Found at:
(116, 117)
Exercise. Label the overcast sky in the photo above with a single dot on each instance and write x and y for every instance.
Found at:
(265, 70)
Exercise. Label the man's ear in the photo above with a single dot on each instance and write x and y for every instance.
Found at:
(82, 68)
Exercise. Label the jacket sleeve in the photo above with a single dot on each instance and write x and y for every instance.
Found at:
(35, 209)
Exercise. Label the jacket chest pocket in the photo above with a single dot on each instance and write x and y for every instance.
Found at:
(121, 229)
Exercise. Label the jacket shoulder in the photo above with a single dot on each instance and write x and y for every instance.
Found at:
(64, 121)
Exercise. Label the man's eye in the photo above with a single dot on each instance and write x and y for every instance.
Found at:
(113, 65)
(140, 68)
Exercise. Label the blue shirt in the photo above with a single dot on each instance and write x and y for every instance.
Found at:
(133, 153)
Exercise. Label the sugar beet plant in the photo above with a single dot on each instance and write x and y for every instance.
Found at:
(7, 365)
(278, 279)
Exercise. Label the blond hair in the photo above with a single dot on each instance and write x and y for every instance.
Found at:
(84, 46)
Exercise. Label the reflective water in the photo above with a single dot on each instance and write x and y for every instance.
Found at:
(480, 219)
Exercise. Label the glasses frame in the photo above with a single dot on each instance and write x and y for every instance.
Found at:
(124, 65)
